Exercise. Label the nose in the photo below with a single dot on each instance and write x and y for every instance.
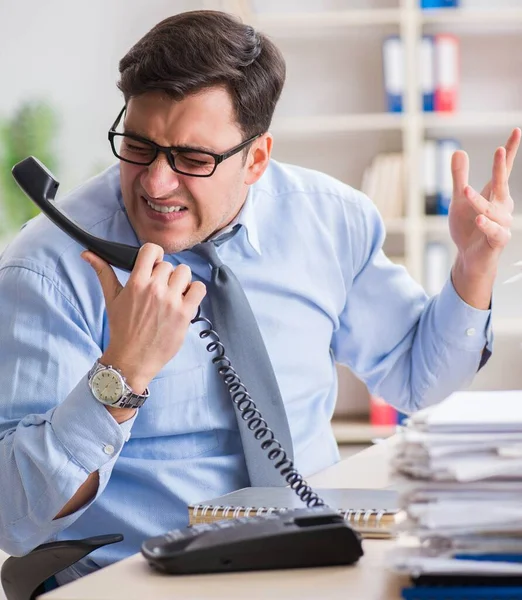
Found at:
(158, 179)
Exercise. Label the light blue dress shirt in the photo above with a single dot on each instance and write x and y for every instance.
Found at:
(309, 257)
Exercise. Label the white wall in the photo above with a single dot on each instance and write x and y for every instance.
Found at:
(68, 52)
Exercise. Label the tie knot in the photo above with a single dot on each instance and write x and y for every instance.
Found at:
(207, 250)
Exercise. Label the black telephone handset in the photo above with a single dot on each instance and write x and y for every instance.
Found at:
(39, 184)
(258, 542)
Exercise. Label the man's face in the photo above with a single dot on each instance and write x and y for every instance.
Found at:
(205, 120)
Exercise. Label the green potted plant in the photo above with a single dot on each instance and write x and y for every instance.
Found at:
(32, 130)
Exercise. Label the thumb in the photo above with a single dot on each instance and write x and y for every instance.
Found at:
(459, 172)
(109, 282)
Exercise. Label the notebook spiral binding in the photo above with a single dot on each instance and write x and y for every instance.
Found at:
(201, 513)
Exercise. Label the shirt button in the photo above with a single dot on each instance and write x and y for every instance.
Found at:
(108, 449)
(470, 331)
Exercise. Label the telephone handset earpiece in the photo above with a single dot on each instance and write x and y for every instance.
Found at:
(38, 183)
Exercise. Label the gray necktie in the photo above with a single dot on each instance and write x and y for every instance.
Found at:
(236, 325)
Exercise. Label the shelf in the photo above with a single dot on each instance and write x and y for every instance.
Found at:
(436, 224)
(396, 225)
(342, 18)
(466, 16)
(439, 224)
(383, 16)
(320, 124)
(472, 120)
(360, 432)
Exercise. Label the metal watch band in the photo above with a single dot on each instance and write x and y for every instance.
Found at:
(129, 398)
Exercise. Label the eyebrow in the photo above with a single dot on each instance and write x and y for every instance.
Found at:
(180, 147)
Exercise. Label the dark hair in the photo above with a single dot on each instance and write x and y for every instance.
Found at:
(195, 50)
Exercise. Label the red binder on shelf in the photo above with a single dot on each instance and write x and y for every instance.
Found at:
(447, 72)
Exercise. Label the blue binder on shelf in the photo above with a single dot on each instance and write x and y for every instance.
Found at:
(445, 149)
(427, 72)
(427, 4)
(393, 72)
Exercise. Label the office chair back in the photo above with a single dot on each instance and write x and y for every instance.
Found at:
(23, 577)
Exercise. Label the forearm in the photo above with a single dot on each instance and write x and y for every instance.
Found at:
(446, 350)
(49, 468)
(474, 288)
(37, 479)
(86, 492)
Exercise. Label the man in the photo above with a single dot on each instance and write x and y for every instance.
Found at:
(194, 149)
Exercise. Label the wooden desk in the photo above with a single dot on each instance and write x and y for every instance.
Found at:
(132, 579)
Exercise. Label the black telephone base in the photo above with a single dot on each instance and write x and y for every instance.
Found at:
(296, 539)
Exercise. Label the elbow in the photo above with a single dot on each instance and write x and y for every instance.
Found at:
(15, 543)
(15, 547)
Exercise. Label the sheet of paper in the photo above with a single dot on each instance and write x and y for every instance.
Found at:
(415, 564)
(499, 411)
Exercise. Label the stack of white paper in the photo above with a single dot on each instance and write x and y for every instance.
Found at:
(458, 469)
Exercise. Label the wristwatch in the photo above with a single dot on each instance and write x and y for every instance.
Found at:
(108, 386)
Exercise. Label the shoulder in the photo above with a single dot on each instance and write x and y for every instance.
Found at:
(43, 248)
(325, 204)
(320, 193)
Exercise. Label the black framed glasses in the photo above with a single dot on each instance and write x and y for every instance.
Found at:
(187, 161)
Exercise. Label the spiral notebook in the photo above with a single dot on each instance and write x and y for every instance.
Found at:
(372, 513)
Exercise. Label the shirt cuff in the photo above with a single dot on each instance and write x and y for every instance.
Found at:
(460, 324)
(87, 430)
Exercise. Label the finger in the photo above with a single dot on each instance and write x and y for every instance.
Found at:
(148, 256)
(459, 171)
(499, 179)
(497, 235)
(493, 211)
(512, 146)
(194, 295)
(162, 272)
(110, 285)
(180, 279)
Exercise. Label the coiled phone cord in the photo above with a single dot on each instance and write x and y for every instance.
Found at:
(251, 414)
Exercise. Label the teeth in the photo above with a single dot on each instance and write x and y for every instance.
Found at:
(164, 209)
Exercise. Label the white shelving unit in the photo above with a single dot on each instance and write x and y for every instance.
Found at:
(491, 16)
(332, 117)
(407, 19)
(287, 22)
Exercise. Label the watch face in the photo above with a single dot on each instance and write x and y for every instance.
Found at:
(107, 386)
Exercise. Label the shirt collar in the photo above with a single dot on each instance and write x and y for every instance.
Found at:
(247, 219)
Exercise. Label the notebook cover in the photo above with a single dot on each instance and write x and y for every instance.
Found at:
(371, 512)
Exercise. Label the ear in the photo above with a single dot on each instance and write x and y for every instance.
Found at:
(258, 158)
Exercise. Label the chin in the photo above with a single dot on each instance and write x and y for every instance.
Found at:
(171, 246)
